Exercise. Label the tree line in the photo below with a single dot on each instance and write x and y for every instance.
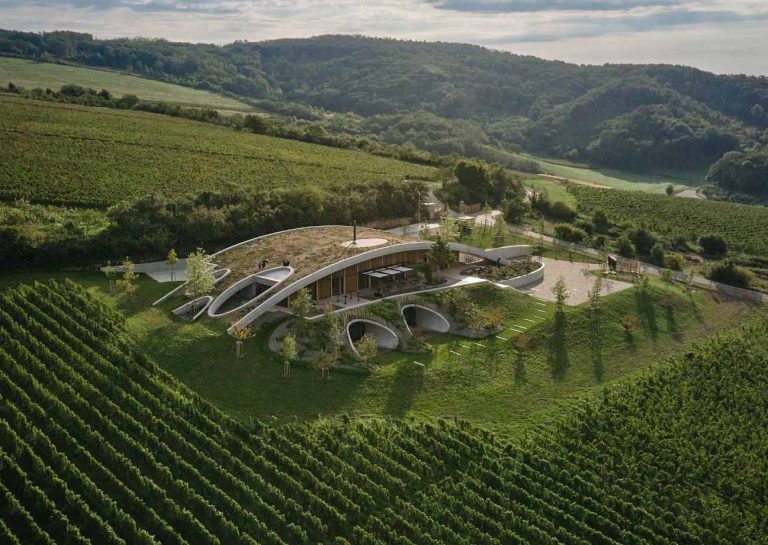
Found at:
(453, 98)
(147, 227)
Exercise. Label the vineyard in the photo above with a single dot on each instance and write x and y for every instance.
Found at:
(100, 446)
(77, 155)
(744, 227)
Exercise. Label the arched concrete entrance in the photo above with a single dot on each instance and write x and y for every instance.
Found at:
(194, 308)
(247, 291)
(421, 317)
(385, 337)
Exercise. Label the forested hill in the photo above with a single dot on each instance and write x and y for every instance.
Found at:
(453, 97)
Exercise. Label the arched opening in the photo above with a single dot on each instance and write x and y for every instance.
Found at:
(248, 291)
(418, 317)
(386, 339)
(193, 309)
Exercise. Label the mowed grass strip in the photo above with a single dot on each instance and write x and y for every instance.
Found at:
(30, 74)
(77, 155)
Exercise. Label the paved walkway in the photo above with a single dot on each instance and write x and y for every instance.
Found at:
(578, 279)
(158, 270)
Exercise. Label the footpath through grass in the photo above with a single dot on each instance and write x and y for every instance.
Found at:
(487, 382)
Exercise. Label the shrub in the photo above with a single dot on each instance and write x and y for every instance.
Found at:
(624, 246)
(600, 219)
(713, 245)
(599, 241)
(675, 262)
(644, 240)
(585, 226)
(657, 252)
(561, 211)
(728, 272)
(569, 233)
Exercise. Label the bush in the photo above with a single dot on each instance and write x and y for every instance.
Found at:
(600, 219)
(657, 252)
(675, 262)
(599, 241)
(644, 240)
(585, 226)
(713, 245)
(569, 233)
(561, 211)
(624, 246)
(728, 272)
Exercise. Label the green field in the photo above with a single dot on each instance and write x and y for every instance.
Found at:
(653, 183)
(744, 227)
(31, 74)
(101, 156)
(99, 445)
(555, 190)
(559, 368)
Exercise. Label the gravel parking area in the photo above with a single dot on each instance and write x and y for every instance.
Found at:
(578, 279)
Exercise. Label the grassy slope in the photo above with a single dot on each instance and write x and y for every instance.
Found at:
(488, 385)
(555, 190)
(29, 74)
(100, 156)
(618, 179)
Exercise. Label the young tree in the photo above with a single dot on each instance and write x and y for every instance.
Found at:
(288, 351)
(240, 333)
(109, 272)
(486, 211)
(670, 189)
(560, 291)
(125, 284)
(171, 260)
(200, 276)
(301, 304)
(440, 256)
(324, 362)
(367, 348)
(89, 217)
(335, 331)
(448, 230)
(500, 227)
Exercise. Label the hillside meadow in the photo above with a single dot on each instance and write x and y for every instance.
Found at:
(99, 157)
(29, 74)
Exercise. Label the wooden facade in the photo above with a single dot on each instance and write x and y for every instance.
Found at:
(349, 280)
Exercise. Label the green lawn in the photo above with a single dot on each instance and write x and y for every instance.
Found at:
(555, 190)
(30, 74)
(618, 179)
(485, 381)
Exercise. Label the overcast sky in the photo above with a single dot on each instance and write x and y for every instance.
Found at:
(718, 35)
